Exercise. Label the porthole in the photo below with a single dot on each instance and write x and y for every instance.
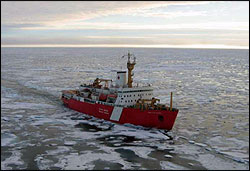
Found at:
(160, 118)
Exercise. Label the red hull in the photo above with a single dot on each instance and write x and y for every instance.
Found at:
(161, 119)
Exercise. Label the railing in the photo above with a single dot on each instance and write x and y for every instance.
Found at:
(89, 101)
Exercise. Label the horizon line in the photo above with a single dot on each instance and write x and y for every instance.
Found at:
(196, 46)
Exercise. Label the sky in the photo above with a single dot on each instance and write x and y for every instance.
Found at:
(180, 24)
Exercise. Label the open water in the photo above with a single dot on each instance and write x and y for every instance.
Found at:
(210, 88)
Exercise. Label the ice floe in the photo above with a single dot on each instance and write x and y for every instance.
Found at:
(69, 143)
(166, 165)
(14, 159)
(142, 152)
(85, 161)
(7, 139)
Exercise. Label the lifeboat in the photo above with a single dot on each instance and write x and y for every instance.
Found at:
(103, 97)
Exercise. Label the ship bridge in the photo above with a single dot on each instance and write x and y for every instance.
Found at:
(129, 96)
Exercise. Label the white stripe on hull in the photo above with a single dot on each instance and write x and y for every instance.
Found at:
(116, 113)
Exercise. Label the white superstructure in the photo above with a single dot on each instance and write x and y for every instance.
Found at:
(122, 93)
(121, 80)
(129, 96)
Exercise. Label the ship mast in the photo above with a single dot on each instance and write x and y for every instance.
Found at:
(130, 67)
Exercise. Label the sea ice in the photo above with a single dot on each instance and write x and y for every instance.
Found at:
(14, 159)
(7, 139)
(4, 118)
(212, 162)
(58, 150)
(85, 160)
(69, 143)
(201, 144)
(168, 156)
(23, 105)
(142, 152)
(166, 165)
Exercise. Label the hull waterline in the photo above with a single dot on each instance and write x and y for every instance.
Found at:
(161, 119)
